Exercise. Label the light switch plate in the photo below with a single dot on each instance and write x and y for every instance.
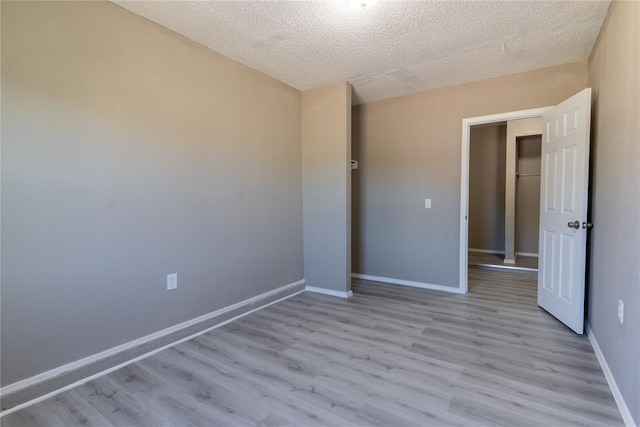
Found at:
(620, 311)
(172, 281)
(427, 203)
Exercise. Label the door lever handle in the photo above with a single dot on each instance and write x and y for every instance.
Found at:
(574, 224)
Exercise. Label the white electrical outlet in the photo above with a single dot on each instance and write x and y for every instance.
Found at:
(620, 311)
(427, 203)
(172, 281)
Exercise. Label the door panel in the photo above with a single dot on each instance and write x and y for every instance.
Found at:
(563, 201)
(549, 249)
(566, 267)
(550, 189)
(569, 180)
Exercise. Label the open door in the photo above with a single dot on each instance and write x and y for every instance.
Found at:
(563, 209)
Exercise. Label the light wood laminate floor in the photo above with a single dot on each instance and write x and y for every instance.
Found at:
(390, 356)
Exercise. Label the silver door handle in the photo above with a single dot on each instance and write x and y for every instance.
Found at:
(574, 224)
(587, 225)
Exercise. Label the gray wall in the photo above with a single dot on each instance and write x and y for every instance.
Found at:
(129, 152)
(528, 194)
(326, 151)
(409, 150)
(614, 70)
(486, 187)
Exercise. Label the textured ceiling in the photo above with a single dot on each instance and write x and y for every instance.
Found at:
(391, 49)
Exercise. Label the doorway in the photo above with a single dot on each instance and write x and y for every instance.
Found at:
(504, 194)
(563, 204)
(467, 125)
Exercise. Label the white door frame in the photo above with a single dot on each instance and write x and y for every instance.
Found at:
(464, 178)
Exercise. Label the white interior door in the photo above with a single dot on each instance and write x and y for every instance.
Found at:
(563, 209)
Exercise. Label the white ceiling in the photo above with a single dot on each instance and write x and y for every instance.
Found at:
(390, 49)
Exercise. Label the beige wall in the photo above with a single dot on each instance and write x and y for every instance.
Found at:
(528, 194)
(409, 150)
(614, 75)
(486, 187)
(326, 151)
(514, 229)
(128, 153)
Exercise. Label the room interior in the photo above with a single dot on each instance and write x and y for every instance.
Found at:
(176, 184)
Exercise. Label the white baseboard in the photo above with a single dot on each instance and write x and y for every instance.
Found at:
(504, 267)
(408, 283)
(622, 405)
(531, 254)
(48, 375)
(331, 292)
(486, 251)
(491, 251)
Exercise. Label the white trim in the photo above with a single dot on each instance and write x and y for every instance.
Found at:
(11, 388)
(492, 251)
(504, 267)
(622, 406)
(486, 251)
(531, 254)
(329, 292)
(509, 261)
(464, 178)
(402, 282)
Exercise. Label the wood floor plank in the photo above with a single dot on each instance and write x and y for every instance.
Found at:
(575, 405)
(391, 355)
